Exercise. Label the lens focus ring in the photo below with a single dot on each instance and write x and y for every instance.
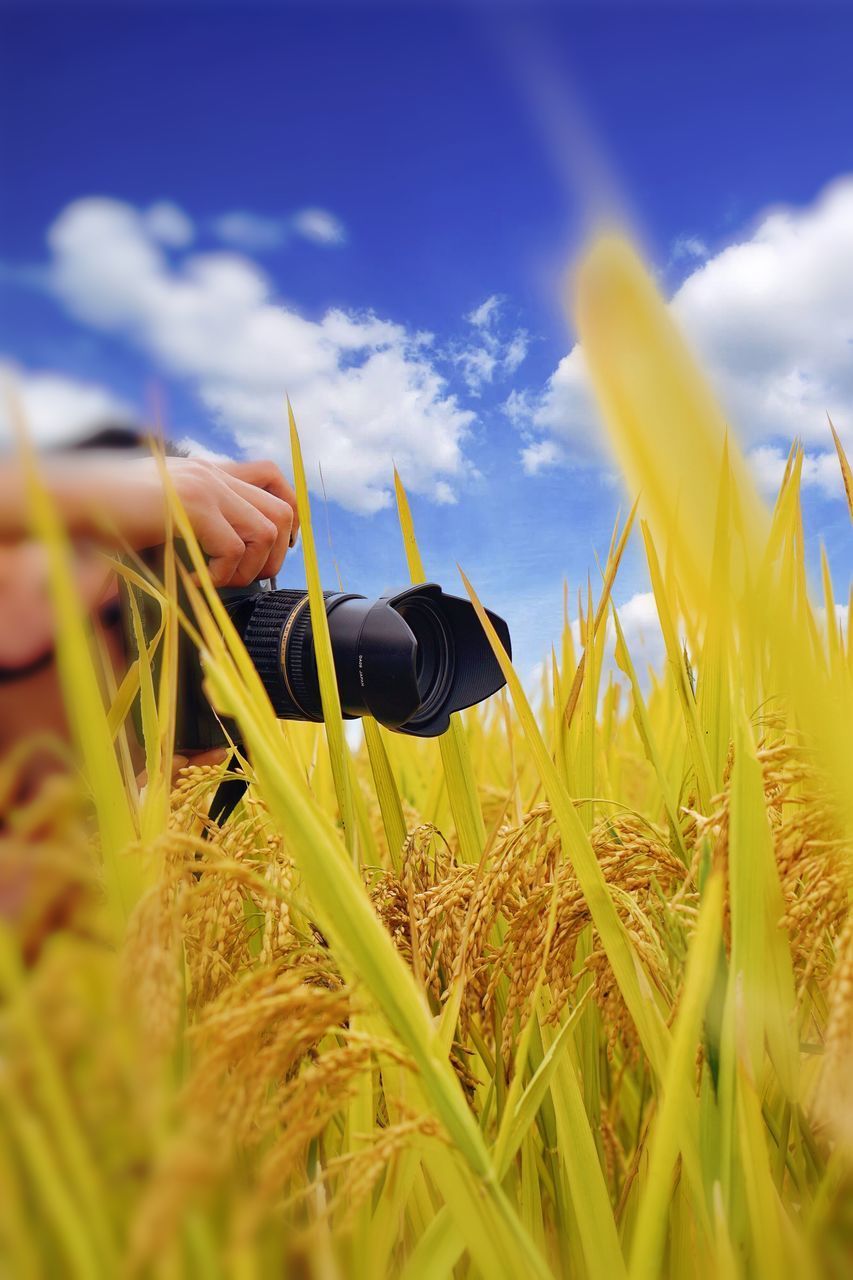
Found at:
(275, 613)
(302, 683)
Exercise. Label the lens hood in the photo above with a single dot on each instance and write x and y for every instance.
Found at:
(459, 662)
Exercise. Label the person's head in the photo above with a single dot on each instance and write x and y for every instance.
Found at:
(30, 696)
(26, 626)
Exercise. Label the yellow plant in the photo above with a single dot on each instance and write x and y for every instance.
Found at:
(565, 993)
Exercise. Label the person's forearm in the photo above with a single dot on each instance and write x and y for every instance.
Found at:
(14, 522)
(77, 492)
(243, 513)
(15, 507)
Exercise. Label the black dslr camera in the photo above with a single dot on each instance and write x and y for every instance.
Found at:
(409, 659)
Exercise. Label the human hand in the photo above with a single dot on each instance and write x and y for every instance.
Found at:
(216, 756)
(243, 513)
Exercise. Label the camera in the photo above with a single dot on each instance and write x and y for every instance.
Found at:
(409, 659)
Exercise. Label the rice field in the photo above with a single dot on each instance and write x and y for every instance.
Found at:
(568, 992)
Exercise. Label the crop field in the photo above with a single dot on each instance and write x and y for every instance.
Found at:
(567, 992)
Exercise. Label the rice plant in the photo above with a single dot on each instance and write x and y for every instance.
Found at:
(568, 992)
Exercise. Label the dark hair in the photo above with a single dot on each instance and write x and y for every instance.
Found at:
(111, 435)
(119, 436)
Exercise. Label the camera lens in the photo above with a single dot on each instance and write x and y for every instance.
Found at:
(434, 660)
(408, 659)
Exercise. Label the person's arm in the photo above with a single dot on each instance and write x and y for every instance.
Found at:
(243, 513)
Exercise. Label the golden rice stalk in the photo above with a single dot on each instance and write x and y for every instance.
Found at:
(368, 953)
(834, 1102)
(665, 426)
(455, 753)
(338, 750)
(846, 473)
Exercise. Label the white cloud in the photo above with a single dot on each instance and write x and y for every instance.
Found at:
(249, 231)
(491, 352)
(767, 464)
(638, 617)
(639, 621)
(169, 224)
(483, 316)
(516, 350)
(564, 412)
(686, 247)
(820, 471)
(56, 410)
(842, 617)
(771, 320)
(320, 226)
(540, 455)
(195, 449)
(364, 389)
(256, 232)
(443, 494)
(478, 365)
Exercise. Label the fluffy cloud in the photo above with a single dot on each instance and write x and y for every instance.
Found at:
(167, 223)
(638, 618)
(771, 320)
(195, 449)
(250, 231)
(490, 352)
(842, 617)
(564, 414)
(686, 247)
(56, 410)
(365, 390)
(483, 316)
(820, 471)
(256, 233)
(319, 225)
(540, 455)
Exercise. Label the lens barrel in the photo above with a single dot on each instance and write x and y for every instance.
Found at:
(277, 619)
(408, 659)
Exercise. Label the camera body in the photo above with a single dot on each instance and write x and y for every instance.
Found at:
(409, 658)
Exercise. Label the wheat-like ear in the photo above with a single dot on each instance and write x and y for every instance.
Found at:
(568, 993)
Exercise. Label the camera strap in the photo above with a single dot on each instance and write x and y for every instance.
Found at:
(228, 795)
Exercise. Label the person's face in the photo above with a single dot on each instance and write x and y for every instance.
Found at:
(26, 612)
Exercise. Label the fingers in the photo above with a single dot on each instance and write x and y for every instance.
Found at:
(237, 539)
(216, 756)
(259, 535)
(266, 475)
(243, 515)
(281, 513)
(222, 545)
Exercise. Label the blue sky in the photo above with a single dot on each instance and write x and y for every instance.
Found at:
(393, 169)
